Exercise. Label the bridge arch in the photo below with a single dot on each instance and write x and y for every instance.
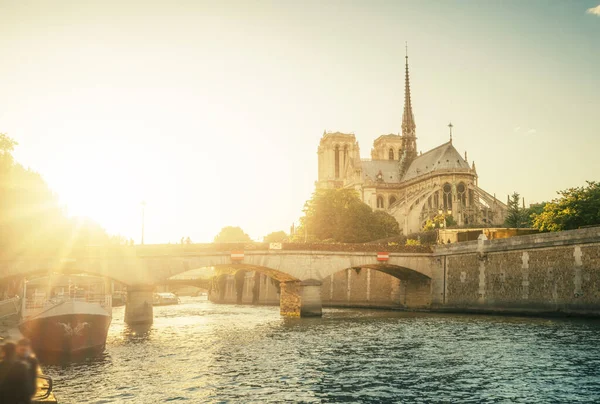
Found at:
(377, 285)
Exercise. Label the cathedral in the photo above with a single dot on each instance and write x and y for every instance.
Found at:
(411, 187)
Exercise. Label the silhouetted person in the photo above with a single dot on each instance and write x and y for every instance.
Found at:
(25, 354)
(15, 386)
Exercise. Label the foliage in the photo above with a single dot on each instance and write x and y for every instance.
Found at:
(439, 221)
(31, 218)
(231, 234)
(410, 242)
(516, 216)
(574, 208)
(275, 237)
(339, 215)
(385, 225)
(533, 211)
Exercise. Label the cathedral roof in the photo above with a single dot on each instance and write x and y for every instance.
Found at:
(442, 157)
(388, 168)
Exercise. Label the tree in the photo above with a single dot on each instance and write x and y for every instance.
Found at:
(230, 234)
(574, 208)
(275, 237)
(7, 145)
(31, 217)
(339, 215)
(516, 216)
(385, 225)
(439, 221)
(533, 211)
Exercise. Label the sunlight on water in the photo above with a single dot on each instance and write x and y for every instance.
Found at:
(201, 352)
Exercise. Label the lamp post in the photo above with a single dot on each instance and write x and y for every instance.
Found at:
(143, 218)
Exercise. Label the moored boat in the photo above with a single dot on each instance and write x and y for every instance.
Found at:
(165, 299)
(66, 315)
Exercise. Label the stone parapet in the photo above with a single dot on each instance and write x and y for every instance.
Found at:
(540, 240)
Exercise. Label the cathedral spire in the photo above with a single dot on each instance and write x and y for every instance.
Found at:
(409, 139)
(408, 119)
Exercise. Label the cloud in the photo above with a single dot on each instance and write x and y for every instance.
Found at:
(531, 131)
(518, 128)
(594, 10)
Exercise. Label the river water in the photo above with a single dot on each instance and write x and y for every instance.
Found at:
(201, 352)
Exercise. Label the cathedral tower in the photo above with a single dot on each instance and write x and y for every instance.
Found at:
(338, 155)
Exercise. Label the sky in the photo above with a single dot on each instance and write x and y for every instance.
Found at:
(211, 111)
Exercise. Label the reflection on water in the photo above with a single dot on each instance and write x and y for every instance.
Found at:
(201, 352)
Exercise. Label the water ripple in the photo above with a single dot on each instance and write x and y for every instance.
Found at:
(200, 352)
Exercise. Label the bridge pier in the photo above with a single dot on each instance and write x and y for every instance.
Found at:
(300, 299)
(138, 309)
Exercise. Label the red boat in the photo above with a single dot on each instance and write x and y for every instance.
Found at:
(66, 315)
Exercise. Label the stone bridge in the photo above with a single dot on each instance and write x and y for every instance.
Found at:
(299, 272)
(541, 273)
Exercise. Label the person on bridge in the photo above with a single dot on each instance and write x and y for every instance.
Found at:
(15, 386)
(26, 355)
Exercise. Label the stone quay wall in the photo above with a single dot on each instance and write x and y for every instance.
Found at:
(548, 273)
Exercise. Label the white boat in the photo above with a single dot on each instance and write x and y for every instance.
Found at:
(165, 299)
(66, 315)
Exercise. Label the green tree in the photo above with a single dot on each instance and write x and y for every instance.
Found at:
(574, 208)
(439, 221)
(231, 234)
(275, 237)
(339, 215)
(384, 225)
(533, 211)
(516, 216)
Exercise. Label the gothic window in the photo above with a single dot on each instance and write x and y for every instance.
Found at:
(461, 191)
(392, 200)
(447, 196)
(337, 161)
(380, 202)
(391, 153)
(436, 200)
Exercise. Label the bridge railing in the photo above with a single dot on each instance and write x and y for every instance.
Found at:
(328, 247)
(106, 251)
